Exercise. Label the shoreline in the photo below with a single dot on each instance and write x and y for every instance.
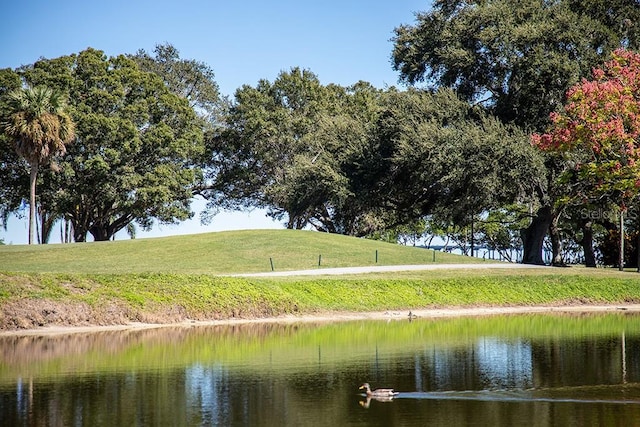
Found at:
(397, 315)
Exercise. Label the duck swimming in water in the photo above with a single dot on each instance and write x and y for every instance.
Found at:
(379, 393)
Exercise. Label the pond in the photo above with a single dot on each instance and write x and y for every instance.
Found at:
(540, 370)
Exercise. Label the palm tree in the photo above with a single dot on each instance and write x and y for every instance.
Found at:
(40, 127)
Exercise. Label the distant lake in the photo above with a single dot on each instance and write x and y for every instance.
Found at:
(540, 370)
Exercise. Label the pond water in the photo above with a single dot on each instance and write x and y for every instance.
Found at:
(540, 370)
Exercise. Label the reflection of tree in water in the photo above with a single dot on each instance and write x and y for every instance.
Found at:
(20, 352)
(582, 362)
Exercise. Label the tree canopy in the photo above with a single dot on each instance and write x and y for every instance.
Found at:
(133, 159)
(189, 79)
(517, 57)
(443, 157)
(358, 160)
(266, 154)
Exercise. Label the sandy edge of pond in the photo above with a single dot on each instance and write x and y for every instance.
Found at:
(396, 315)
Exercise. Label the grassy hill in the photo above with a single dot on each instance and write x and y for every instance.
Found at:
(173, 279)
(216, 253)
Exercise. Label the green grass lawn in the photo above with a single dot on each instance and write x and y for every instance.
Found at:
(177, 278)
(247, 251)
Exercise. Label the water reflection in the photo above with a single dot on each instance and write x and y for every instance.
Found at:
(502, 396)
(539, 370)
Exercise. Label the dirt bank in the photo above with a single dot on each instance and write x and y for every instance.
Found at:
(333, 317)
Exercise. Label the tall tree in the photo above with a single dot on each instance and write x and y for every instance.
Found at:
(516, 58)
(600, 126)
(360, 161)
(139, 146)
(269, 154)
(40, 128)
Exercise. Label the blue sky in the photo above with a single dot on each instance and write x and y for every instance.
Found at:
(242, 41)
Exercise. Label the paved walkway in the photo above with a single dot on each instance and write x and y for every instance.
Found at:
(387, 268)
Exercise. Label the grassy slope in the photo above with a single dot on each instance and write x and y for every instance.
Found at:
(215, 253)
(172, 279)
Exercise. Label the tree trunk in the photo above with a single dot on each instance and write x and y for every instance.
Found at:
(556, 242)
(46, 225)
(66, 231)
(472, 242)
(79, 235)
(107, 228)
(100, 234)
(69, 231)
(638, 252)
(32, 199)
(587, 244)
(533, 236)
(621, 254)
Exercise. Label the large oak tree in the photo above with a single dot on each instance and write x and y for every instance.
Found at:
(516, 58)
(360, 160)
(133, 160)
(272, 152)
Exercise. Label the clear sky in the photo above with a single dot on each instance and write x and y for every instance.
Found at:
(243, 41)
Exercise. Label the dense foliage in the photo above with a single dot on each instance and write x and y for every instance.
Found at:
(600, 125)
(517, 58)
(133, 155)
(359, 160)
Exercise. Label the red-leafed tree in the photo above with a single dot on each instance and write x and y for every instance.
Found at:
(600, 130)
